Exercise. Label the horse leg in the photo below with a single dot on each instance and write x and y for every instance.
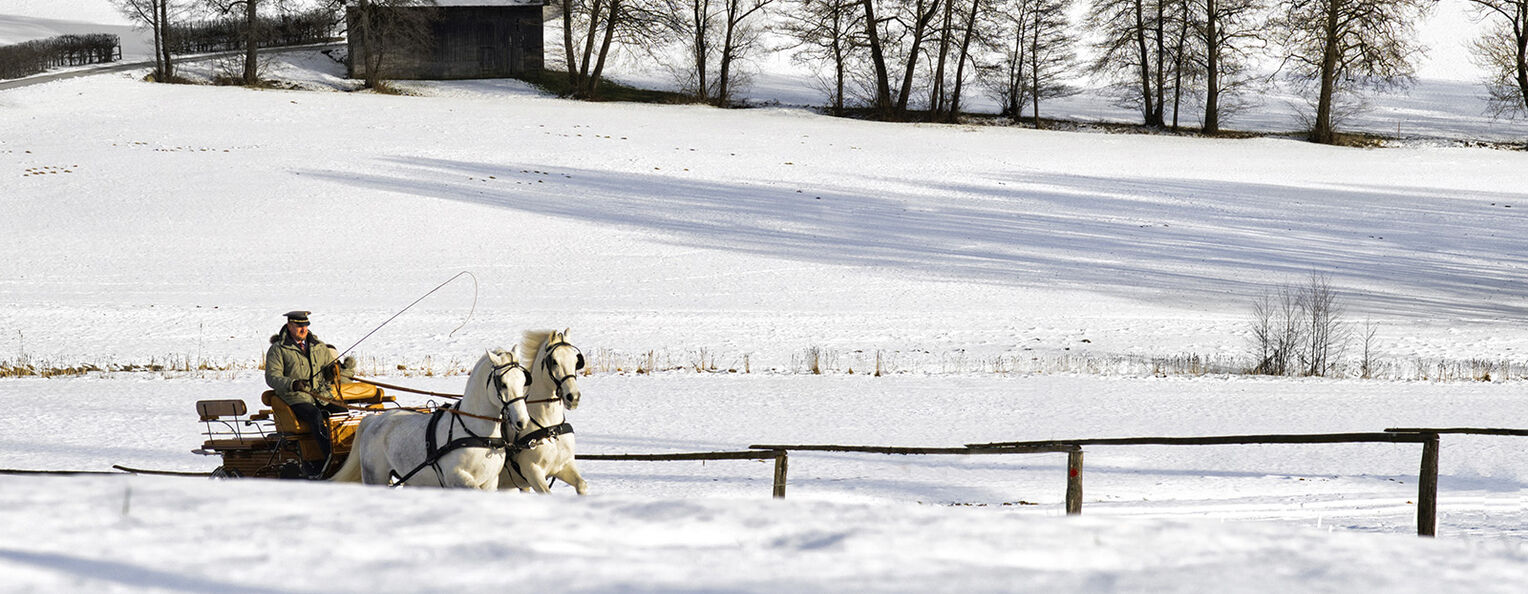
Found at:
(569, 474)
(470, 469)
(535, 475)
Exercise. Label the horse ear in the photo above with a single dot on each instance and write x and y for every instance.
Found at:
(495, 356)
(565, 332)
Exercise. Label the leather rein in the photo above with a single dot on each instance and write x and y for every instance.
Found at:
(378, 384)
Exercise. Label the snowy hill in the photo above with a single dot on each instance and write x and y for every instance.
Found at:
(1016, 284)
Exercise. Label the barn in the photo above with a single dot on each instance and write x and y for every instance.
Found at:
(464, 39)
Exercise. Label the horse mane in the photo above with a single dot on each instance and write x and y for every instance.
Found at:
(530, 344)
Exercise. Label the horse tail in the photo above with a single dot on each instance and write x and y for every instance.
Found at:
(350, 471)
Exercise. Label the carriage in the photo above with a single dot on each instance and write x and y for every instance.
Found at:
(508, 429)
(272, 443)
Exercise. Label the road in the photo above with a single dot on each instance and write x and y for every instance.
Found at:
(126, 66)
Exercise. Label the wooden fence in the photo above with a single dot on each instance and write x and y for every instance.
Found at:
(1427, 486)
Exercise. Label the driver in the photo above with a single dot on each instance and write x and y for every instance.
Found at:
(297, 366)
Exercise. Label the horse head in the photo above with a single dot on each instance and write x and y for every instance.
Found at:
(563, 361)
(510, 381)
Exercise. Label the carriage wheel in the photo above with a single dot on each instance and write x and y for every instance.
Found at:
(224, 472)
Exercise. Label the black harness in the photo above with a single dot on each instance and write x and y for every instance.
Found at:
(434, 450)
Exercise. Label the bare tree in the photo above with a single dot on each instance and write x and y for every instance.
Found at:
(1278, 326)
(1299, 329)
(156, 16)
(1228, 29)
(922, 16)
(695, 24)
(387, 29)
(251, 13)
(1034, 51)
(1129, 50)
(1367, 335)
(1503, 52)
(592, 28)
(824, 31)
(873, 42)
(1325, 332)
(1340, 46)
(939, 94)
(716, 32)
(739, 38)
(1264, 334)
(1178, 49)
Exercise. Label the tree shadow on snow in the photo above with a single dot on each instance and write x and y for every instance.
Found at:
(1418, 251)
(102, 572)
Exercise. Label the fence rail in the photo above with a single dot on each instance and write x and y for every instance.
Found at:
(1463, 431)
(1073, 460)
(1309, 438)
(779, 456)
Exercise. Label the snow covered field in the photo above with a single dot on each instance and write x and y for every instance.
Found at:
(1013, 281)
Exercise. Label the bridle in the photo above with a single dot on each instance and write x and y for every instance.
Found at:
(496, 382)
(551, 371)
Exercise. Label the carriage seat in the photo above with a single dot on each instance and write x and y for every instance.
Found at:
(223, 432)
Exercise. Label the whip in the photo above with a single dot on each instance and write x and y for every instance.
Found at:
(416, 302)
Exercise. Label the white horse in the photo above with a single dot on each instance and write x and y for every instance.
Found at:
(461, 446)
(545, 447)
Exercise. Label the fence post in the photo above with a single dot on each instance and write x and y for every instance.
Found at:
(1427, 488)
(780, 468)
(1074, 482)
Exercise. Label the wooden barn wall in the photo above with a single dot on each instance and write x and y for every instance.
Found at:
(470, 42)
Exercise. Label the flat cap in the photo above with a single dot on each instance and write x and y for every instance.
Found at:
(297, 316)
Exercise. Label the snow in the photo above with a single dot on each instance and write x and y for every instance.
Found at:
(1015, 285)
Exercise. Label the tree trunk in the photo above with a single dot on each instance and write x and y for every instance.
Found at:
(920, 30)
(700, 11)
(960, 67)
(1034, 69)
(1148, 110)
(610, 25)
(588, 56)
(1178, 55)
(1323, 132)
(878, 59)
(567, 44)
(1013, 74)
(838, 64)
(164, 34)
(1522, 51)
(724, 69)
(251, 43)
(1161, 40)
(1211, 69)
(158, 27)
(936, 95)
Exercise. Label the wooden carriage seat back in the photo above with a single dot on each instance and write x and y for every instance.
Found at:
(212, 410)
(342, 427)
(354, 392)
(286, 422)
